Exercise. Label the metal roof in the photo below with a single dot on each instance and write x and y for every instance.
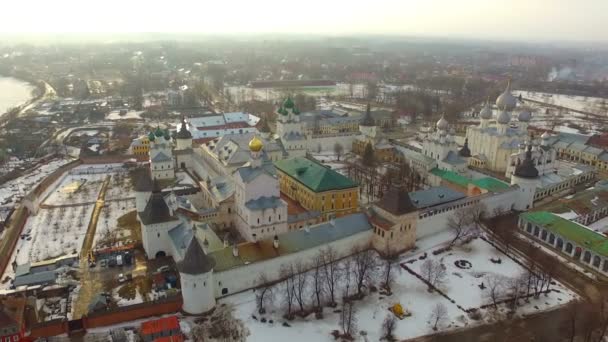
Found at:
(292, 242)
(314, 176)
(581, 235)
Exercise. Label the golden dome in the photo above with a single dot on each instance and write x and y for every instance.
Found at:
(255, 145)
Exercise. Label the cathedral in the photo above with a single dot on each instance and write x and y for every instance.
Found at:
(492, 145)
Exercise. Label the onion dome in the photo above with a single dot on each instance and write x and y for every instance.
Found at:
(151, 136)
(367, 119)
(504, 117)
(288, 103)
(465, 151)
(158, 132)
(195, 260)
(527, 169)
(167, 134)
(506, 100)
(255, 145)
(282, 111)
(486, 112)
(183, 132)
(524, 116)
(296, 111)
(442, 124)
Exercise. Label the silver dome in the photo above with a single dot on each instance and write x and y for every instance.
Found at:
(486, 112)
(442, 124)
(524, 116)
(504, 117)
(506, 100)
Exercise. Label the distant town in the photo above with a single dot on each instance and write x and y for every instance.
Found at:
(344, 189)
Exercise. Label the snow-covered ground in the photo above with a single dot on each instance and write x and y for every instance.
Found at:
(11, 192)
(53, 232)
(583, 103)
(107, 225)
(131, 114)
(76, 189)
(409, 291)
(122, 301)
(120, 187)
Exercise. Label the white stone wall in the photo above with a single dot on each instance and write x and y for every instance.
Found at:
(246, 277)
(327, 143)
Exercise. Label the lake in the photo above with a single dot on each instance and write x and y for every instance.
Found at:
(13, 92)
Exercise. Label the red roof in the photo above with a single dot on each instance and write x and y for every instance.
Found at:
(176, 338)
(158, 325)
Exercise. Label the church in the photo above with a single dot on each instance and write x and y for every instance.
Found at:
(492, 145)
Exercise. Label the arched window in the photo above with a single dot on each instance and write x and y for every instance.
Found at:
(596, 261)
(569, 247)
(587, 256)
(543, 235)
(551, 238)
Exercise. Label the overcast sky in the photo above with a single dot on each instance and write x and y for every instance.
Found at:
(506, 19)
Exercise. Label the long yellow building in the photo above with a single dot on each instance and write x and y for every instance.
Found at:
(317, 188)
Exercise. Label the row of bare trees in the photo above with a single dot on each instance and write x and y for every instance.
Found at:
(327, 280)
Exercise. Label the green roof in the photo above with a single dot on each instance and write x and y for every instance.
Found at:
(288, 103)
(451, 177)
(581, 235)
(487, 183)
(314, 176)
(490, 184)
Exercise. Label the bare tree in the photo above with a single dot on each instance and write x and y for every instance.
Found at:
(433, 272)
(459, 225)
(495, 286)
(318, 280)
(477, 214)
(364, 264)
(387, 273)
(347, 269)
(438, 315)
(289, 289)
(515, 287)
(301, 282)
(331, 272)
(388, 327)
(348, 319)
(264, 293)
(338, 150)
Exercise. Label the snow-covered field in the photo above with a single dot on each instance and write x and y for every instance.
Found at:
(409, 291)
(107, 225)
(12, 191)
(131, 114)
(76, 189)
(595, 105)
(120, 187)
(53, 232)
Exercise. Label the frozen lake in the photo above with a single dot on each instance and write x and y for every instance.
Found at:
(13, 92)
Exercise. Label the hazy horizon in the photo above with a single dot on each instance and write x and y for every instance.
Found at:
(515, 20)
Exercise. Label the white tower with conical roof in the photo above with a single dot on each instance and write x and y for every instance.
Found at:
(196, 278)
(526, 177)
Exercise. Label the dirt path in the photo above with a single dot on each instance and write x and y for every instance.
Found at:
(87, 244)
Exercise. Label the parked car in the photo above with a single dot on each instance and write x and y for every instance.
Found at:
(122, 278)
(112, 262)
(119, 260)
(103, 263)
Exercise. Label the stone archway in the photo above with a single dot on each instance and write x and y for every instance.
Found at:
(160, 254)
